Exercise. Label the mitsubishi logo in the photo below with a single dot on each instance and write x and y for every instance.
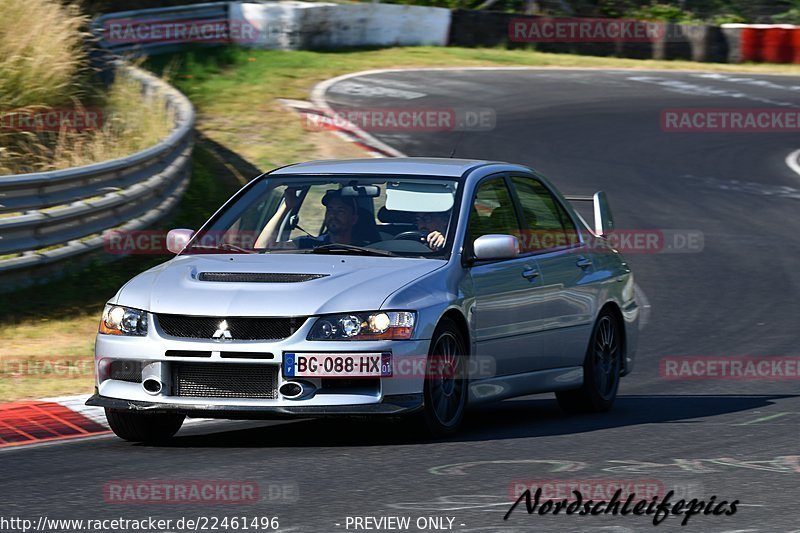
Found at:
(222, 331)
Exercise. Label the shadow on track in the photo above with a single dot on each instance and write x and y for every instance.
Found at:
(522, 418)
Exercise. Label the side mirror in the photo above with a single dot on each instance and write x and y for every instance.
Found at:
(603, 219)
(496, 247)
(177, 239)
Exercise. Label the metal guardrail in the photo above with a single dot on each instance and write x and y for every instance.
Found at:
(213, 11)
(73, 207)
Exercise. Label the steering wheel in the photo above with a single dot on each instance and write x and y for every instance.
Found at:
(416, 235)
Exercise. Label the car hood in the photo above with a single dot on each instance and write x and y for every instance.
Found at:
(350, 283)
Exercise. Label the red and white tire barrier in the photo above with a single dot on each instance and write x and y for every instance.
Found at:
(765, 43)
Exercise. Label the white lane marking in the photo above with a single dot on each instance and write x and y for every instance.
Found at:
(684, 87)
(377, 91)
(793, 161)
(779, 191)
(763, 419)
(745, 81)
(645, 306)
(458, 502)
(457, 469)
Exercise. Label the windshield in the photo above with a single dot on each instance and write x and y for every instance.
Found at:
(362, 215)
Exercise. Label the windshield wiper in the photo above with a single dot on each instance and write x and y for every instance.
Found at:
(222, 246)
(348, 248)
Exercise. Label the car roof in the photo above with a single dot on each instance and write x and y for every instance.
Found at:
(422, 166)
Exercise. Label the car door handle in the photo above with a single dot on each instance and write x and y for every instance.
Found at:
(584, 262)
(530, 274)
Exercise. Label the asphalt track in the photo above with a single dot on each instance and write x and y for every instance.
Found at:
(586, 130)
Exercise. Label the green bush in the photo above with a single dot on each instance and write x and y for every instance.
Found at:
(661, 12)
(789, 17)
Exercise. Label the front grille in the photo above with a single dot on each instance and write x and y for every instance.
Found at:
(186, 353)
(225, 381)
(239, 328)
(258, 277)
(246, 355)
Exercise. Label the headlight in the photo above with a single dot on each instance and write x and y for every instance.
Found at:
(118, 320)
(382, 325)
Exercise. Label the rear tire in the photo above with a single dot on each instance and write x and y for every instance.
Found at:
(143, 427)
(601, 370)
(445, 389)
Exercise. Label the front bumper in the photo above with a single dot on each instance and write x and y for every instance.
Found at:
(390, 405)
(396, 394)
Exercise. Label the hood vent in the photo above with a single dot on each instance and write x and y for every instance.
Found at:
(257, 277)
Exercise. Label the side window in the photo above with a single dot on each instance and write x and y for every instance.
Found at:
(547, 224)
(493, 211)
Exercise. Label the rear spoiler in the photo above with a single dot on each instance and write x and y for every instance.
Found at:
(603, 219)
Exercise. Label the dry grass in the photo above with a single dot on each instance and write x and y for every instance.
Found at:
(130, 122)
(41, 52)
(43, 66)
(47, 358)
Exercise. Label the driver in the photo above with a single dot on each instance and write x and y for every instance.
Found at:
(341, 216)
(435, 226)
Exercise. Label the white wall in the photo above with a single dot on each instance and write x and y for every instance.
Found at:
(303, 25)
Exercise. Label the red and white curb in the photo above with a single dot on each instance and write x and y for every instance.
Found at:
(345, 131)
(54, 419)
(49, 419)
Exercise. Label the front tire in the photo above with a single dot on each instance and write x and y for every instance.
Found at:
(445, 389)
(601, 370)
(143, 427)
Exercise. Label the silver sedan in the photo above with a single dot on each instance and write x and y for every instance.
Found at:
(384, 287)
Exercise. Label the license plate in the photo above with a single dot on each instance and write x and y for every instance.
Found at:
(340, 365)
